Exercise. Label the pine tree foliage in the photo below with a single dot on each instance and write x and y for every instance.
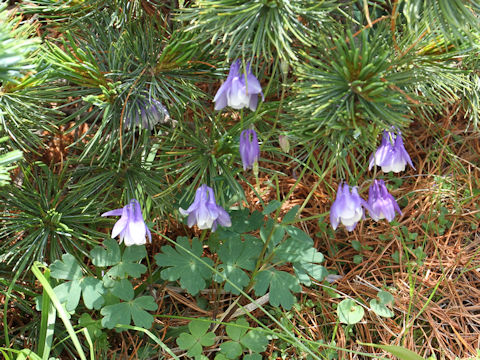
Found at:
(257, 29)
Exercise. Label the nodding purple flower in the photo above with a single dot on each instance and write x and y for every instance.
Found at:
(238, 93)
(205, 212)
(348, 208)
(391, 154)
(130, 226)
(382, 205)
(147, 113)
(249, 148)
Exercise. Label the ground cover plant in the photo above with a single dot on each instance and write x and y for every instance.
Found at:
(239, 179)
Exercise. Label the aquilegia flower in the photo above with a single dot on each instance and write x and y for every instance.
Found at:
(382, 205)
(249, 148)
(148, 114)
(205, 212)
(237, 93)
(348, 208)
(391, 157)
(130, 226)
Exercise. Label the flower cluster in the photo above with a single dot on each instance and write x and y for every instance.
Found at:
(348, 207)
(205, 212)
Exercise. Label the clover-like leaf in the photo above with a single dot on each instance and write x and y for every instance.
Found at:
(93, 326)
(129, 265)
(298, 249)
(237, 331)
(188, 266)
(385, 297)
(198, 337)
(380, 307)
(123, 289)
(294, 248)
(116, 314)
(122, 313)
(140, 317)
(243, 222)
(92, 292)
(122, 265)
(106, 256)
(231, 349)
(253, 356)
(235, 256)
(255, 340)
(281, 285)
(66, 269)
(349, 312)
(69, 292)
(241, 339)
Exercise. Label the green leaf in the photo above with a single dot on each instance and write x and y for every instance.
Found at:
(280, 283)
(69, 294)
(140, 317)
(66, 269)
(305, 270)
(294, 248)
(198, 328)
(298, 249)
(106, 257)
(380, 307)
(188, 342)
(349, 312)
(220, 356)
(356, 245)
(290, 215)
(197, 338)
(231, 349)
(271, 207)
(235, 256)
(243, 222)
(253, 357)
(92, 292)
(255, 340)
(128, 266)
(398, 351)
(385, 297)
(182, 265)
(116, 314)
(123, 289)
(94, 327)
(122, 313)
(134, 253)
(236, 332)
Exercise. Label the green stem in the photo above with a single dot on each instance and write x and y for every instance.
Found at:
(203, 235)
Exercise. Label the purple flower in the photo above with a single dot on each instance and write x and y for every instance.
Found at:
(348, 208)
(237, 93)
(205, 212)
(249, 148)
(391, 157)
(130, 226)
(382, 205)
(148, 114)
